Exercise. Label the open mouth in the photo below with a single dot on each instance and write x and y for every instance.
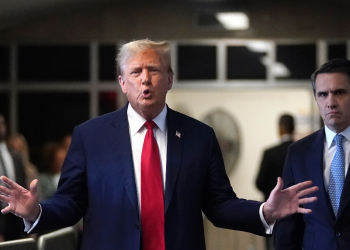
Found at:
(146, 93)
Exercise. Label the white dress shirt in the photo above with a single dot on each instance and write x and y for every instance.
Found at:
(8, 161)
(329, 152)
(137, 136)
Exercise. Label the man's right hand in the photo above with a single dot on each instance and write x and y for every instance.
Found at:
(21, 202)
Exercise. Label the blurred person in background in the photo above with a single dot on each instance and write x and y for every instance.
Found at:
(53, 157)
(11, 227)
(273, 160)
(17, 142)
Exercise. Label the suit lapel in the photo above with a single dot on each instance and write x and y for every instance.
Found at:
(176, 138)
(314, 166)
(122, 149)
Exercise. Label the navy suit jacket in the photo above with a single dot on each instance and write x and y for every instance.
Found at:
(319, 230)
(271, 167)
(98, 183)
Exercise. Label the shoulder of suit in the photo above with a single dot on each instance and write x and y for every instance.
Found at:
(309, 139)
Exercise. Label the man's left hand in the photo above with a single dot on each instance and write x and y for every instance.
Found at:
(282, 203)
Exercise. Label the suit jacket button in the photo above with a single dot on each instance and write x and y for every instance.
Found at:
(137, 227)
(337, 233)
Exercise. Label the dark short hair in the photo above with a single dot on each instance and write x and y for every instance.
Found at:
(287, 121)
(338, 65)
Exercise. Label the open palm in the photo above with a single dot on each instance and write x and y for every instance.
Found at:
(21, 202)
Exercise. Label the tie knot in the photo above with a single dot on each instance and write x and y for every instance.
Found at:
(338, 139)
(149, 124)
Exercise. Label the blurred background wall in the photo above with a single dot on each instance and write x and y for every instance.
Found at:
(57, 69)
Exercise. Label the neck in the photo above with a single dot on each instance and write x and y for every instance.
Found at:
(149, 113)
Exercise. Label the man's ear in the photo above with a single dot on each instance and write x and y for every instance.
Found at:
(122, 83)
(170, 80)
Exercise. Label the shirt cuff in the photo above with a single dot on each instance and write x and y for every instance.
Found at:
(29, 225)
(268, 227)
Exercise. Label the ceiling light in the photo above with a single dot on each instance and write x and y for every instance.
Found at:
(233, 20)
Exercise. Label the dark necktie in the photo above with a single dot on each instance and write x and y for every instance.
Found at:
(337, 174)
(152, 195)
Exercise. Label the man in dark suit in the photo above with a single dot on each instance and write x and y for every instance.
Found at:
(322, 157)
(11, 227)
(273, 159)
(106, 174)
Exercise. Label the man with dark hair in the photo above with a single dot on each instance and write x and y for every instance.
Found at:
(141, 176)
(324, 158)
(273, 159)
(11, 227)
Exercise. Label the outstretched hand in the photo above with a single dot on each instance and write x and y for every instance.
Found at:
(21, 202)
(282, 203)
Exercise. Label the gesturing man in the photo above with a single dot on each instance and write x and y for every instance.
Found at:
(142, 176)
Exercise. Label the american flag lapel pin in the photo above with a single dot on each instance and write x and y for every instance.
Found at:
(178, 134)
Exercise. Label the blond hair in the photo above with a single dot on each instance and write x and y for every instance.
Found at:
(130, 49)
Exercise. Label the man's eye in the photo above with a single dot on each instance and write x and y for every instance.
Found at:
(339, 92)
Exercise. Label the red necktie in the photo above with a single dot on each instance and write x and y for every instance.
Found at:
(152, 196)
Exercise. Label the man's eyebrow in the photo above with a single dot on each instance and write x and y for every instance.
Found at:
(336, 90)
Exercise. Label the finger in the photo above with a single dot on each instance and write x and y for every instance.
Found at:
(304, 210)
(307, 200)
(6, 210)
(301, 186)
(307, 191)
(10, 182)
(4, 198)
(5, 190)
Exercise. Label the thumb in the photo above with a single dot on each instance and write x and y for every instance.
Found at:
(279, 185)
(33, 187)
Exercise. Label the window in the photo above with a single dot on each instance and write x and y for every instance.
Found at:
(196, 62)
(4, 64)
(4, 105)
(300, 60)
(107, 62)
(44, 117)
(337, 51)
(243, 63)
(107, 102)
(50, 63)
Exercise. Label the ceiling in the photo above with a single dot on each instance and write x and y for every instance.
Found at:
(14, 12)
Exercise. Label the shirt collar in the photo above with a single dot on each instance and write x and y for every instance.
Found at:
(3, 146)
(287, 137)
(136, 121)
(330, 135)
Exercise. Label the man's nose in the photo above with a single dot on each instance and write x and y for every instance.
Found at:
(331, 102)
(145, 77)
